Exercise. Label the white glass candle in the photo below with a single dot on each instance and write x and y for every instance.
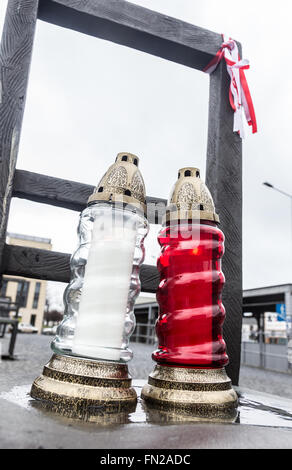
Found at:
(99, 300)
(101, 318)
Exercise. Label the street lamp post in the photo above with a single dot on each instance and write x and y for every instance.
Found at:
(269, 185)
(287, 301)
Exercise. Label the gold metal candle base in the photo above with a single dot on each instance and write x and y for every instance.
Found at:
(200, 393)
(81, 387)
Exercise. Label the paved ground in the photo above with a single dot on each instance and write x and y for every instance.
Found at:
(33, 352)
(264, 420)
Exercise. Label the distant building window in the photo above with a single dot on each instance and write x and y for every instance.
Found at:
(36, 295)
(3, 288)
(22, 293)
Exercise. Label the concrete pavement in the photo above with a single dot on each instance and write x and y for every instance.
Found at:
(264, 421)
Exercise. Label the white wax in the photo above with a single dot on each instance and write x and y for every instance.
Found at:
(103, 303)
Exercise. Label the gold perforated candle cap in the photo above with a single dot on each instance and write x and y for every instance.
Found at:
(122, 183)
(190, 198)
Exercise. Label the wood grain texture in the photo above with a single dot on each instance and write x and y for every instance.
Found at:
(53, 266)
(15, 57)
(36, 263)
(150, 278)
(49, 190)
(136, 27)
(69, 194)
(224, 179)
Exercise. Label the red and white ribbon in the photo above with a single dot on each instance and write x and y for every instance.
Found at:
(239, 94)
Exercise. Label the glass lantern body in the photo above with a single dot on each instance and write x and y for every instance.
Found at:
(99, 301)
(189, 327)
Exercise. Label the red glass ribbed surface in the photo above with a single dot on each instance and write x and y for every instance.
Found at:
(189, 326)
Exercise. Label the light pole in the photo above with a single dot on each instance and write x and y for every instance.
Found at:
(288, 298)
(269, 185)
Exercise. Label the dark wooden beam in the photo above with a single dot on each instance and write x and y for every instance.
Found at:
(68, 194)
(224, 179)
(150, 278)
(15, 58)
(139, 28)
(53, 266)
(49, 190)
(36, 263)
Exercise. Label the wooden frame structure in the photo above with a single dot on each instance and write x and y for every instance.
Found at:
(154, 33)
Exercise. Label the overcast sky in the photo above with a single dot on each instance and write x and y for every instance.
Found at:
(89, 99)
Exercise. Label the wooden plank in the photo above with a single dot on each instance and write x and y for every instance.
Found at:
(136, 27)
(224, 179)
(68, 194)
(49, 190)
(36, 263)
(150, 278)
(15, 56)
(53, 266)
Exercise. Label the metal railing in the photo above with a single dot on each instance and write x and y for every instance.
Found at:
(265, 355)
(256, 354)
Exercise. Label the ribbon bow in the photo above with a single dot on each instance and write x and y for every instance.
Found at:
(239, 94)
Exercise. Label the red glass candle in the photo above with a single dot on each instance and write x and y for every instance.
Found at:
(189, 377)
(189, 327)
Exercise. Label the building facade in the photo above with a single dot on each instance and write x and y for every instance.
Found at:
(29, 294)
(271, 306)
